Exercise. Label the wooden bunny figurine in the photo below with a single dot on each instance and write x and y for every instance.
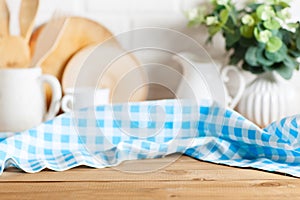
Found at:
(14, 50)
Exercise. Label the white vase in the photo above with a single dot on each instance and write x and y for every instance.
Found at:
(295, 80)
(269, 98)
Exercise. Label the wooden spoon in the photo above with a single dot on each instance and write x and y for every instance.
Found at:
(4, 19)
(28, 12)
(14, 52)
(79, 33)
(48, 39)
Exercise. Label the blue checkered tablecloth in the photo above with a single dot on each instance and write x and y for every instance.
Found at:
(106, 135)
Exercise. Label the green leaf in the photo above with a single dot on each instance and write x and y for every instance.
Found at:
(224, 16)
(284, 4)
(247, 31)
(290, 62)
(250, 56)
(259, 11)
(268, 68)
(272, 24)
(284, 71)
(231, 39)
(253, 6)
(193, 23)
(230, 23)
(238, 54)
(294, 53)
(262, 35)
(212, 30)
(234, 60)
(246, 42)
(233, 15)
(261, 59)
(298, 66)
(254, 70)
(277, 56)
(274, 44)
(298, 42)
(265, 12)
(293, 25)
(286, 35)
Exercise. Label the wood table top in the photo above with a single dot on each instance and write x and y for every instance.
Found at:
(179, 177)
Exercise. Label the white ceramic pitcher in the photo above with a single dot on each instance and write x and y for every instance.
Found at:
(22, 98)
(202, 80)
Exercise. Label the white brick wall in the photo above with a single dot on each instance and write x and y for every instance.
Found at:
(119, 16)
(124, 15)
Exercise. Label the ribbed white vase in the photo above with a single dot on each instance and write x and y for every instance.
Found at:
(269, 98)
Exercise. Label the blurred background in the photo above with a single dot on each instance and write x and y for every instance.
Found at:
(124, 15)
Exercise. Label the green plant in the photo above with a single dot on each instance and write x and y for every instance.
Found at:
(259, 36)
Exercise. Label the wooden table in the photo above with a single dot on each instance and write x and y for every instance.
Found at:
(184, 178)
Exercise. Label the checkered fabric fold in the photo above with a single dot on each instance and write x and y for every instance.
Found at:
(106, 135)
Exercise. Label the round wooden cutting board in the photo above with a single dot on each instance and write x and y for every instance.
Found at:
(107, 66)
(125, 79)
(79, 33)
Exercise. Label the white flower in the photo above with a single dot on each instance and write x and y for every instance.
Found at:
(248, 20)
(222, 2)
(211, 20)
(197, 14)
(192, 14)
(265, 12)
(285, 13)
(264, 36)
